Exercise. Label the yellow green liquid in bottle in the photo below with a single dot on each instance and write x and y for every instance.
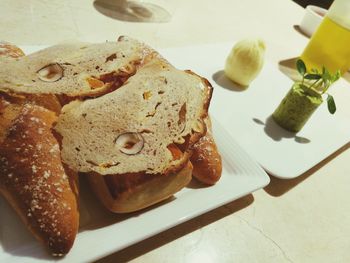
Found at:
(329, 47)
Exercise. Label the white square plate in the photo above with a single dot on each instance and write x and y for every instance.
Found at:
(246, 114)
(102, 233)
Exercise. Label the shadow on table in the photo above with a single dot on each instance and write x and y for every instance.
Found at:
(278, 187)
(276, 133)
(176, 232)
(220, 79)
(298, 29)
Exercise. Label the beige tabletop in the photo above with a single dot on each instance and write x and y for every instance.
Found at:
(306, 219)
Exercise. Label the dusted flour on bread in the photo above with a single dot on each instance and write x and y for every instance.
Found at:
(33, 179)
(130, 129)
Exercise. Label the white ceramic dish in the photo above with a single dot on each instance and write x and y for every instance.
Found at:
(246, 114)
(312, 19)
(103, 233)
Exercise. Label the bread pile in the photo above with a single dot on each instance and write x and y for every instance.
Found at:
(116, 112)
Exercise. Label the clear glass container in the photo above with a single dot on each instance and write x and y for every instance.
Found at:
(329, 45)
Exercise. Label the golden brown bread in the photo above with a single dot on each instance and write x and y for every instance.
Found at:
(33, 179)
(148, 86)
(131, 192)
(123, 193)
(7, 50)
(206, 160)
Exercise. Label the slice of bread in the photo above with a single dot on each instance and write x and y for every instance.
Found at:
(129, 130)
(75, 69)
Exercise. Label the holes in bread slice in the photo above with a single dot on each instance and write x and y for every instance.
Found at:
(182, 117)
(111, 57)
(153, 112)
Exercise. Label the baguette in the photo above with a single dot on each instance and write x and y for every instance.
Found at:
(34, 181)
(206, 160)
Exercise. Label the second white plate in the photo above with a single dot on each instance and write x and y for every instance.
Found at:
(246, 114)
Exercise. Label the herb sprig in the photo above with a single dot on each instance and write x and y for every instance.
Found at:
(318, 82)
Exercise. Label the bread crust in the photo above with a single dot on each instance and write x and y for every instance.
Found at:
(206, 160)
(42, 190)
(125, 193)
(8, 50)
(33, 180)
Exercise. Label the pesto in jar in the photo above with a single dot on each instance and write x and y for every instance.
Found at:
(296, 108)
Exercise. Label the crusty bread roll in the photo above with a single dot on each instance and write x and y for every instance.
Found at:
(124, 193)
(206, 160)
(33, 179)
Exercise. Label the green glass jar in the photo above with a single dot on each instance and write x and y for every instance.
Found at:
(297, 107)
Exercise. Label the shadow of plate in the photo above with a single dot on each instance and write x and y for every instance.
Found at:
(279, 187)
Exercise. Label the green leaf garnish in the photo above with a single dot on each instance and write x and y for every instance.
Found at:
(331, 104)
(312, 76)
(318, 82)
(301, 67)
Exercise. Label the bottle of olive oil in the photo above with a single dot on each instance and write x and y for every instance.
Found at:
(329, 46)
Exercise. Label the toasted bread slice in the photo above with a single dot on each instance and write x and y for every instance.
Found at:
(75, 69)
(129, 130)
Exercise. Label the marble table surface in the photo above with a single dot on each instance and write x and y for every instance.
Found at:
(299, 220)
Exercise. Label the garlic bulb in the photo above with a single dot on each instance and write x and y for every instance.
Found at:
(245, 61)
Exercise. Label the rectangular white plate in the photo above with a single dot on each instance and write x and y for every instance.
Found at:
(246, 114)
(102, 233)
